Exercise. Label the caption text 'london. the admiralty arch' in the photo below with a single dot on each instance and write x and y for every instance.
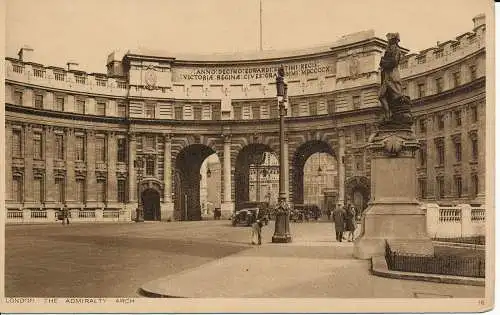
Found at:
(77, 138)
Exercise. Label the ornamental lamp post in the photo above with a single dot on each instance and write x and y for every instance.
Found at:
(139, 212)
(282, 224)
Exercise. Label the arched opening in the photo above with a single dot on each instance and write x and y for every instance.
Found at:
(187, 176)
(256, 175)
(314, 166)
(319, 182)
(210, 185)
(358, 192)
(151, 204)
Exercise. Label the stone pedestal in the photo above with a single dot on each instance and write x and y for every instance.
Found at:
(167, 211)
(282, 229)
(227, 209)
(393, 215)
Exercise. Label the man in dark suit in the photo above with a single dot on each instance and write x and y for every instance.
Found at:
(339, 222)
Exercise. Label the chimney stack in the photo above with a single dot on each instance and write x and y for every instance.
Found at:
(26, 54)
(479, 20)
(72, 65)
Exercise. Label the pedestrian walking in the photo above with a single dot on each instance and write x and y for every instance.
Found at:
(256, 230)
(65, 214)
(339, 222)
(329, 214)
(350, 223)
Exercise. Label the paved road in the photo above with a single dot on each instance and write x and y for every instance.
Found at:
(110, 260)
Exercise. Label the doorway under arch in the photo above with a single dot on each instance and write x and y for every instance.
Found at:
(151, 204)
(357, 191)
(187, 181)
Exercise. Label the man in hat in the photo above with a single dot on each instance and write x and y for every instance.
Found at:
(390, 89)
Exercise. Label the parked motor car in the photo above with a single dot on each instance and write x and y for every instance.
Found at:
(245, 216)
(304, 212)
(264, 210)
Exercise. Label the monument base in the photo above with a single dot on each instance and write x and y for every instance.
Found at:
(227, 209)
(167, 211)
(402, 226)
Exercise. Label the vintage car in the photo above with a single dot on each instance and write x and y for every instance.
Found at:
(245, 216)
(305, 212)
(264, 211)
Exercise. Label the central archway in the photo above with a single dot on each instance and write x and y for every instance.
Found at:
(151, 204)
(187, 181)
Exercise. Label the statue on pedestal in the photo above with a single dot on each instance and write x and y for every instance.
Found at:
(395, 105)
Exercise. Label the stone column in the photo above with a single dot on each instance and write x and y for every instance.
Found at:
(112, 182)
(132, 180)
(91, 182)
(9, 161)
(48, 154)
(341, 168)
(287, 171)
(227, 206)
(481, 165)
(70, 167)
(28, 166)
(394, 215)
(167, 207)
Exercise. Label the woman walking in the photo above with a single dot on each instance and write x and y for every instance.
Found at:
(350, 223)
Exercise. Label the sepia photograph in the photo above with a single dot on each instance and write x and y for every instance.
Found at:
(248, 156)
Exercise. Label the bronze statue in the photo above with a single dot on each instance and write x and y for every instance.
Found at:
(395, 105)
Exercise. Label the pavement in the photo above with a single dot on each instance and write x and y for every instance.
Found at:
(313, 265)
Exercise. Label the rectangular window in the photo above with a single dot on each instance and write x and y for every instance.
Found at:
(122, 109)
(150, 142)
(313, 108)
(421, 59)
(197, 112)
(441, 122)
(16, 143)
(59, 185)
(18, 97)
(421, 90)
(474, 114)
(60, 103)
(423, 155)
(438, 54)
(458, 118)
(150, 167)
(356, 102)
(17, 189)
(331, 106)
(101, 108)
(474, 149)
(295, 110)
(80, 148)
(440, 186)
(121, 191)
(216, 114)
(439, 85)
(80, 190)
(150, 111)
(59, 147)
(458, 151)
(473, 72)
(80, 106)
(458, 186)
(101, 190)
(122, 150)
(422, 188)
(456, 79)
(455, 46)
(37, 146)
(255, 111)
(80, 79)
(100, 82)
(178, 112)
(423, 126)
(100, 149)
(475, 185)
(39, 101)
(440, 152)
(38, 190)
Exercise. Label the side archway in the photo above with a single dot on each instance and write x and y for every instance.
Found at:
(357, 191)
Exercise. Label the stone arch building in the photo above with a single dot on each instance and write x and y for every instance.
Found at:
(73, 137)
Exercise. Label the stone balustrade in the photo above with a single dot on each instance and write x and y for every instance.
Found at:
(458, 221)
(41, 215)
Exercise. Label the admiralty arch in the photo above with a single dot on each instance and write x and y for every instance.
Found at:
(98, 142)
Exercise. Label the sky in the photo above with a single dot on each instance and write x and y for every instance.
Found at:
(86, 31)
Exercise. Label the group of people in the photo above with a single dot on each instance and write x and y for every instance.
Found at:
(344, 219)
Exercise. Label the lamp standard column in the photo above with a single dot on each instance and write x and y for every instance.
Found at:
(282, 224)
(341, 168)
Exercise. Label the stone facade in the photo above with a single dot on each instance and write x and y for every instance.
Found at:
(79, 138)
